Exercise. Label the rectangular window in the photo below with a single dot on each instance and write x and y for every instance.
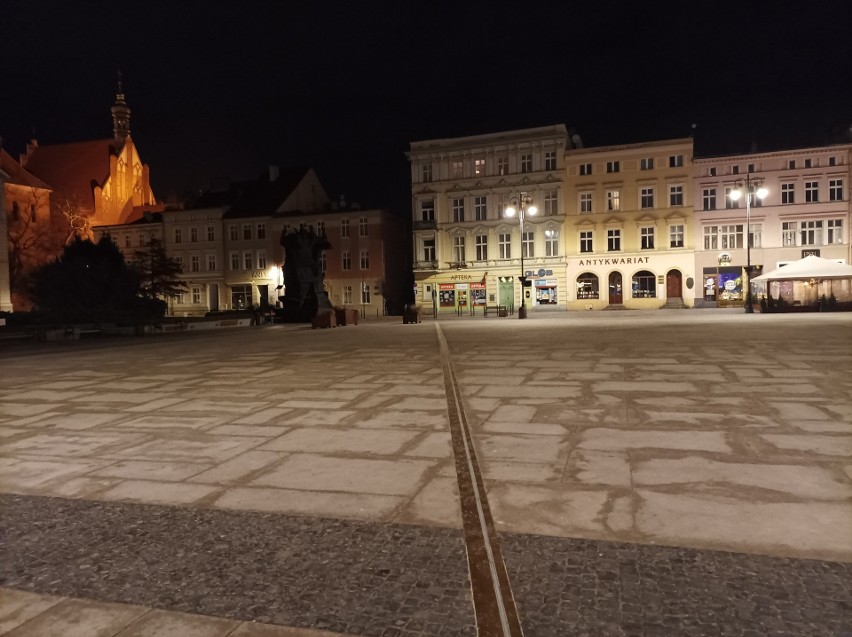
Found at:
(344, 223)
(788, 193)
(647, 238)
(676, 236)
(427, 213)
(711, 241)
(426, 172)
(481, 247)
(247, 260)
(346, 260)
(551, 203)
(585, 203)
(240, 296)
(791, 164)
(211, 233)
(789, 230)
(260, 229)
(235, 260)
(247, 232)
(211, 262)
(505, 244)
(613, 200)
(178, 235)
(479, 167)
(613, 166)
(365, 293)
(808, 163)
(128, 241)
(646, 163)
(585, 169)
(735, 170)
(526, 163)
(730, 202)
(731, 236)
(675, 161)
(528, 245)
(458, 209)
(835, 231)
(458, 170)
(195, 263)
(755, 235)
(233, 232)
(811, 191)
(550, 160)
(811, 233)
(196, 295)
(261, 259)
(613, 240)
(428, 249)
(458, 249)
(480, 210)
(586, 241)
(362, 227)
(503, 165)
(646, 198)
(551, 243)
(365, 259)
(709, 198)
(193, 235)
(750, 168)
(675, 196)
(711, 171)
(347, 295)
(835, 190)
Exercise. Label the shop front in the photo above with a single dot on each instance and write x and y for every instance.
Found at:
(633, 282)
(452, 293)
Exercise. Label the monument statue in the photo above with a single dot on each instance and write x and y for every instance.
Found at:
(304, 296)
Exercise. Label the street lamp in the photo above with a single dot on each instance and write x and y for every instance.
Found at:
(761, 192)
(522, 205)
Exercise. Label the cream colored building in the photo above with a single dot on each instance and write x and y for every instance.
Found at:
(629, 231)
(806, 211)
(466, 252)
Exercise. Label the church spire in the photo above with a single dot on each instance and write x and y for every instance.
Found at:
(120, 117)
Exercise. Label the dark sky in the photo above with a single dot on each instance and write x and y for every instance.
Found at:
(222, 89)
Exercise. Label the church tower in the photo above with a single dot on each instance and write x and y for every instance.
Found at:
(120, 117)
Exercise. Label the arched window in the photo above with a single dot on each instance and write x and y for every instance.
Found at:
(644, 285)
(587, 286)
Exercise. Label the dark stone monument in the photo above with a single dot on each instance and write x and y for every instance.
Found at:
(304, 296)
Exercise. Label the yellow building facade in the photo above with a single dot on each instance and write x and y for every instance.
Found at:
(629, 229)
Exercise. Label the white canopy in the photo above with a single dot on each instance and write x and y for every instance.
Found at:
(808, 268)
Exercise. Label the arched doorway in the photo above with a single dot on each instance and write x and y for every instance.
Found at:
(615, 294)
(674, 284)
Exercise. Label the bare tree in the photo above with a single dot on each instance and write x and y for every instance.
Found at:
(78, 217)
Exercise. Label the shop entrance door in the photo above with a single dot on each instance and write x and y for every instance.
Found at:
(506, 295)
(673, 284)
(462, 295)
(615, 295)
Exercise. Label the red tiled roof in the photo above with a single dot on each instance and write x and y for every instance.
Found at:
(72, 168)
(19, 175)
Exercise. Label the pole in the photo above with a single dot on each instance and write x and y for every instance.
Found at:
(749, 308)
(522, 311)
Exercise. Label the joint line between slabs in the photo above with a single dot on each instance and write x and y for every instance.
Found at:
(498, 596)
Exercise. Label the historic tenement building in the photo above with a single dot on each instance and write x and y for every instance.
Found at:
(805, 211)
(629, 232)
(467, 251)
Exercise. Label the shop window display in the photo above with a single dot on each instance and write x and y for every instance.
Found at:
(644, 285)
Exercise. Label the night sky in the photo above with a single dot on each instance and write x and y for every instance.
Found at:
(220, 90)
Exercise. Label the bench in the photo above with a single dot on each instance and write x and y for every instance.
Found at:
(499, 310)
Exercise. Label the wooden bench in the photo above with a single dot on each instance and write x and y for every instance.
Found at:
(499, 310)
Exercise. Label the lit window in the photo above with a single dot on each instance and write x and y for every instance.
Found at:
(676, 236)
(613, 200)
(479, 167)
(551, 243)
(835, 231)
(644, 285)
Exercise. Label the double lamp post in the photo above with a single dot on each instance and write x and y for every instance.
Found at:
(521, 205)
(752, 188)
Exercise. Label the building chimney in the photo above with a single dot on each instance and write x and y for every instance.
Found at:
(273, 173)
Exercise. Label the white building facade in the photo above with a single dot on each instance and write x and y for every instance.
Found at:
(806, 211)
(466, 251)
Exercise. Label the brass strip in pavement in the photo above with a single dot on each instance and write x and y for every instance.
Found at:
(493, 602)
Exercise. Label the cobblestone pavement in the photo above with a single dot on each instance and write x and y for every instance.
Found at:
(610, 433)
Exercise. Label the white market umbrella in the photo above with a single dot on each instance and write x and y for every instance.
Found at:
(810, 267)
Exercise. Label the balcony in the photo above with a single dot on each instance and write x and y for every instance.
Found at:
(426, 225)
(425, 265)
